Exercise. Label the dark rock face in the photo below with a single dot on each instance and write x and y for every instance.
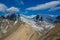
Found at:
(12, 16)
(38, 18)
(46, 18)
(57, 19)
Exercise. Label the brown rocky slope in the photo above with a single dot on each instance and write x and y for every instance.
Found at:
(18, 31)
(53, 34)
(24, 32)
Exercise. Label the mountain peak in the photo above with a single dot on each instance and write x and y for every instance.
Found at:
(11, 16)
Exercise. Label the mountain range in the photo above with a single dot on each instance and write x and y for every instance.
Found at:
(40, 17)
(40, 23)
(46, 19)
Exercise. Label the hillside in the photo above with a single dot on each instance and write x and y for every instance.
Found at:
(53, 34)
(19, 27)
(7, 27)
(24, 32)
(17, 31)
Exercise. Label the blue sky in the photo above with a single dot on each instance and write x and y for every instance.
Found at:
(33, 7)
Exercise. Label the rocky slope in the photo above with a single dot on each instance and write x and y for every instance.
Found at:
(11, 29)
(24, 32)
(40, 26)
(7, 27)
(53, 34)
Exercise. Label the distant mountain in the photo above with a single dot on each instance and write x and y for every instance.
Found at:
(38, 22)
(44, 17)
(57, 19)
(37, 25)
(11, 16)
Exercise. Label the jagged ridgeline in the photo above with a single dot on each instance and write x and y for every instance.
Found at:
(47, 17)
(16, 26)
(8, 24)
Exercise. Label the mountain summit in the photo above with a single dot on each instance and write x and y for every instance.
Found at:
(11, 16)
(44, 17)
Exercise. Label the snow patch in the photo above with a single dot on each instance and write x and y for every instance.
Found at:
(37, 27)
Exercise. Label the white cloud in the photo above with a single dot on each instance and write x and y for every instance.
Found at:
(3, 8)
(13, 9)
(45, 6)
(55, 8)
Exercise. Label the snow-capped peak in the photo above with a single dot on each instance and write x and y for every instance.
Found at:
(44, 24)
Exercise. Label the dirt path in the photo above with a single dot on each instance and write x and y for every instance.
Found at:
(24, 32)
